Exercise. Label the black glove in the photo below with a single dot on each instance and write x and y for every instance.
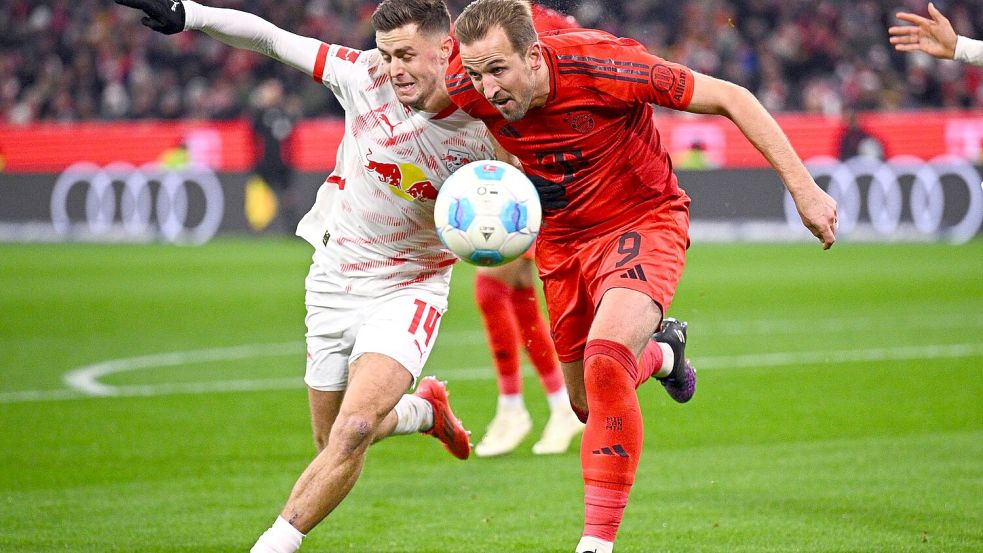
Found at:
(163, 16)
(552, 195)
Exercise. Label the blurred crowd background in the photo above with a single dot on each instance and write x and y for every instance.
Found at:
(77, 60)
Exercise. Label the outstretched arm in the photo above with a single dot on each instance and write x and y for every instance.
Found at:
(933, 36)
(816, 207)
(235, 28)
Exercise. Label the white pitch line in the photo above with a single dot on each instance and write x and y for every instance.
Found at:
(784, 359)
(84, 380)
(835, 325)
(758, 327)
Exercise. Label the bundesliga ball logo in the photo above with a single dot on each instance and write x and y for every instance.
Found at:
(487, 213)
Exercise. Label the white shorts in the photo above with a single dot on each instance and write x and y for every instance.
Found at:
(341, 328)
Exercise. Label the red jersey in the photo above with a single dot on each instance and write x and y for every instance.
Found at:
(547, 19)
(595, 134)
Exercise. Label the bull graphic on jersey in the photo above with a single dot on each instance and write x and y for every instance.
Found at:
(405, 179)
(455, 159)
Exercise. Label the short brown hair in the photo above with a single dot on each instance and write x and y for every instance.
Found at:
(513, 16)
(430, 16)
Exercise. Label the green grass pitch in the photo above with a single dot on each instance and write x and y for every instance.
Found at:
(839, 409)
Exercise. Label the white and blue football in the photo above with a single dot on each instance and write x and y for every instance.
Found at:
(487, 213)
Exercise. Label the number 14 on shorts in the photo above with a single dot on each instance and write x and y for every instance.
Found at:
(426, 319)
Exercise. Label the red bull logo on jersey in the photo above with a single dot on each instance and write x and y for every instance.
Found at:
(405, 179)
(455, 159)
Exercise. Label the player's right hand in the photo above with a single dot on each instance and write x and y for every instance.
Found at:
(163, 16)
(818, 212)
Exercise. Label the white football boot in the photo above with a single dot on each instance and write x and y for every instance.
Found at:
(560, 430)
(505, 432)
(590, 544)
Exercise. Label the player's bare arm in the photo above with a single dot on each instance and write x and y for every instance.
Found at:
(933, 35)
(233, 27)
(816, 207)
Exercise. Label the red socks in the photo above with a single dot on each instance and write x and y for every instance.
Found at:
(612, 441)
(503, 334)
(604, 509)
(536, 338)
(511, 315)
(651, 362)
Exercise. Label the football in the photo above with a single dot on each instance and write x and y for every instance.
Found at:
(487, 213)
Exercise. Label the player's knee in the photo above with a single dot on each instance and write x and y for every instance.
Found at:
(353, 432)
(321, 440)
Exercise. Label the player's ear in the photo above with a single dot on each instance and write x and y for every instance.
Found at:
(446, 47)
(534, 56)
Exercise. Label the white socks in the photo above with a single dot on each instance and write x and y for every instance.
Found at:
(280, 538)
(558, 401)
(668, 360)
(413, 414)
(512, 402)
(590, 544)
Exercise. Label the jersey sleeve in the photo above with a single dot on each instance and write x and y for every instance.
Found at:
(247, 31)
(345, 71)
(622, 68)
(969, 50)
(333, 65)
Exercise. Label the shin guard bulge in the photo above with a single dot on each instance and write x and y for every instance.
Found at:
(612, 441)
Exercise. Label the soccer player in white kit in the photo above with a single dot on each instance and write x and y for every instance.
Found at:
(379, 280)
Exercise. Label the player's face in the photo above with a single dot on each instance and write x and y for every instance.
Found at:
(505, 77)
(416, 63)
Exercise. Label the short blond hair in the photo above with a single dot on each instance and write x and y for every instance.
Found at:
(513, 16)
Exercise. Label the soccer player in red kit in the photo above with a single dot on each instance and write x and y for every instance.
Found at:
(575, 108)
(506, 300)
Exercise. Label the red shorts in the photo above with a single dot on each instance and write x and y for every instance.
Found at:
(530, 253)
(646, 255)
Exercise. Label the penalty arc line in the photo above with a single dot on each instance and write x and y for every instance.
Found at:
(84, 381)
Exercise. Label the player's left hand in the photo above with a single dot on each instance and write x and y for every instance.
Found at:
(818, 212)
(163, 16)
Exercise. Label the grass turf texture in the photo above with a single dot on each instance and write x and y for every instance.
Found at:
(825, 419)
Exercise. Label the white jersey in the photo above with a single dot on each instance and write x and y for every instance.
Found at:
(372, 224)
(969, 50)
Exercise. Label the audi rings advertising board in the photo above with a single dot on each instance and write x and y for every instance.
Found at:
(941, 199)
(903, 198)
(121, 202)
(153, 202)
